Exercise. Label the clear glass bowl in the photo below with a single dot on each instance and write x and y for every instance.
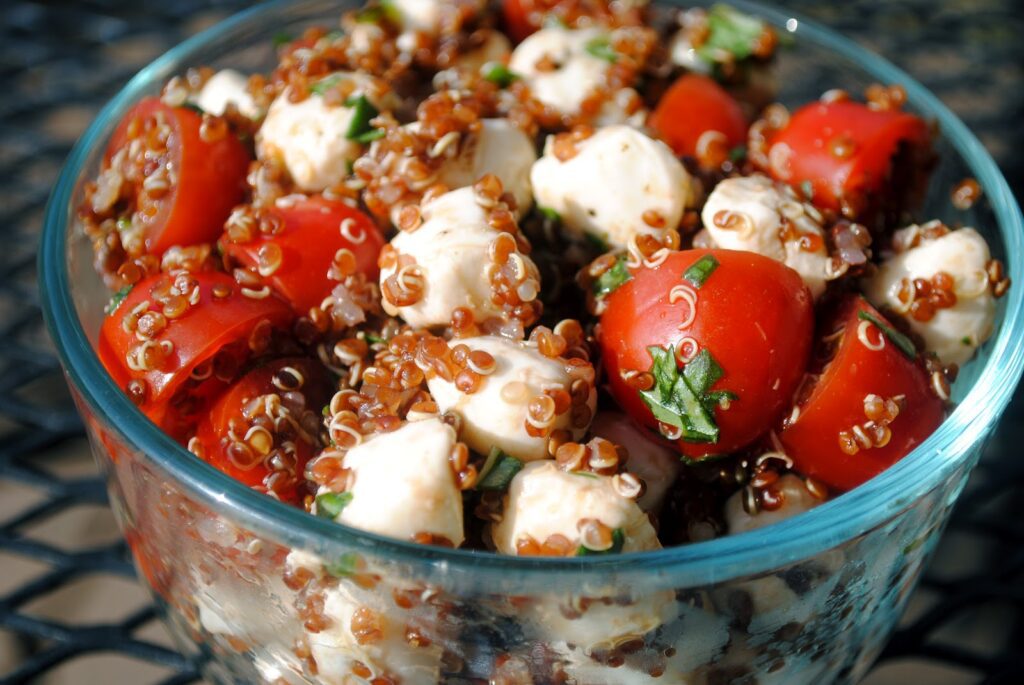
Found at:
(267, 593)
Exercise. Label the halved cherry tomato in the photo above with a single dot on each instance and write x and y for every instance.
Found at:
(139, 343)
(690, 108)
(518, 23)
(753, 315)
(845, 431)
(263, 430)
(312, 231)
(206, 178)
(843, 149)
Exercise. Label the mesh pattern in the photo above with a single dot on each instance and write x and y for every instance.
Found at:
(60, 61)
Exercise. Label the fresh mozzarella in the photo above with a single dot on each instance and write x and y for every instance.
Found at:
(403, 483)
(495, 415)
(754, 214)
(495, 48)
(311, 137)
(544, 500)
(227, 87)
(418, 15)
(652, 462)
(576, 73)
(956, 332)
(616, 176)
(451, 249)
(796, 499)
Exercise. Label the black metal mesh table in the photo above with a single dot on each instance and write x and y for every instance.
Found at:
(60, 60)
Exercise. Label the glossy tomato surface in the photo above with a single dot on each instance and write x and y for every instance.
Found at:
(753, 315)
(693, 106)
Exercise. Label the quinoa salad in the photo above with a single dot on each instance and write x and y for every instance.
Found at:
(538, 278)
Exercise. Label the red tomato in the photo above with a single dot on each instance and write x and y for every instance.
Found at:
(753, 315)
(691, 107)
(272, 460)
(518, 24)
(215, 325)
(209, 176)
(523, 17)
(843, 149)
(839, 402)
(310, 236)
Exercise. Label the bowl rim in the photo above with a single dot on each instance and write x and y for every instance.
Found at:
(844, 518)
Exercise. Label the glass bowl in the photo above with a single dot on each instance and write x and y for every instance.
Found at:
(267, 593)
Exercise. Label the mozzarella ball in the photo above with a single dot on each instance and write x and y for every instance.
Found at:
(954, 333)
(756, 215)
(403, 483)
(451, 250)
(418, 15)
(496, 414)
(227, 87)
(796, 500)
(495, 48)
(500, 148)
(616, 176)
(310, 137)
(544, 500)
(652, 462)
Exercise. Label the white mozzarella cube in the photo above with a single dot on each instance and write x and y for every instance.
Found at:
(954, 333)
(227, 87)
(796, 500)
(451, 249)
(576, 73)
(496, 414)
(657, 465)
(403, 483)
(756, 215)
(616, 176)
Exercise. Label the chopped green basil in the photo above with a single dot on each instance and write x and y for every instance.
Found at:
(905, 345)
(280, 39)
(702, 372)
(325, 84)
(966, 341)
(549, 213)
(498, 74)
(117, 299)
(601, 47)
(194, 107)
(498, 471)
(596, 241)
(124, 223)
(738, 153)
(700, 270)
(807, 188)
(585, 474)
(346, 565)
(611, 279)
(360, 129)
(370, 136)
(674, 402)
(330, 504)
(731, 31)
(373, 338)
(618, 540)
(326, 411)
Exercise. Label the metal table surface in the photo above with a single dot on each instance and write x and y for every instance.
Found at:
(70, 610)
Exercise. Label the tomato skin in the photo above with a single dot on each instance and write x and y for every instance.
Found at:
(836, 403)
(213, 438)
(211, 325)
(693, 105)
(814, 131)
(210, 178)
(516, 17)
(309, 238)
(755, 317)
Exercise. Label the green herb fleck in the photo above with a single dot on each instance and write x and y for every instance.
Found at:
(325, 84)
(124, 223)
(730, 31)
(370, 136)
(117, 299)
(549, 213)
(682, 400)
(702, 372)
(194, 107)
(330, 504)
(905, 345)
(373, 338)
(738, 153)
(360, 129)
(326, 411)
(601, 47)
(700, 270)
(334, 35)
(280, 39)
(498, 471)
(553, 21)
(498, 74)
(618, 540)
(807, 188)
(585, 474)
(346, 565)
(596, 241)
(611, 279)
(966, 341)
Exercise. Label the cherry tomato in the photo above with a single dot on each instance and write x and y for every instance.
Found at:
(518, 23)
(263, 430)
(693, 106)
(312, 231)
(153, 356)
(207, 178)
(870, 405)
(753, 316)
(843, 149)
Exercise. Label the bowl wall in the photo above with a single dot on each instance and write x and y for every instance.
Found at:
(263, 591)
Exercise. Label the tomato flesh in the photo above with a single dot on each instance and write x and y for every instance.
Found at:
(693, 106)
(753, 314)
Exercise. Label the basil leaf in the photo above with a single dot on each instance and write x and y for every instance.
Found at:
(123, 224)
(330, 504)
(498, 471)
(498, 74)
(611, 279)
(701, 270)
(618, 540)
(549, 213)
(905, 344)
(601, 47)
(699, 425)
(363, 112)
(673, 401)
(370, 136)
(738, 153)
(118, 298)
(346, 565)
(325, 84)
(280, 39)
(731, 31)
(702, 372)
